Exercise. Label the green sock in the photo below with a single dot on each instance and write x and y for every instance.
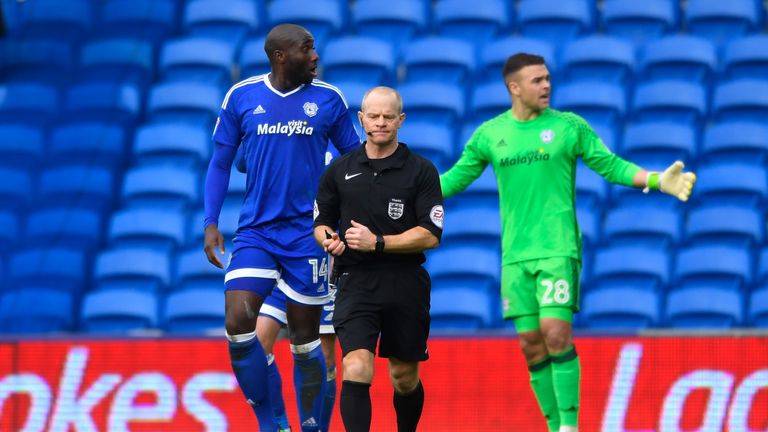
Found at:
(541, 382)
(566, 374)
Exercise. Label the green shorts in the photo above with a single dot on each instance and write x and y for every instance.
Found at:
(541, 287)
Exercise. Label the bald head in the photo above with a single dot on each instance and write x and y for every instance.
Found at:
(284, 36)
(384, 92)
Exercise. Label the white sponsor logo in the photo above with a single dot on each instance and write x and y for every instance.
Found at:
(310, 109)
(315, 211)
(310, 422)
(436, 215)
(547, 135)
(396, 208)
(259, 110)
(350, 176)
(293, 127)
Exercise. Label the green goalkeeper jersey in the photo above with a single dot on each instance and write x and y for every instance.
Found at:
(535, 167)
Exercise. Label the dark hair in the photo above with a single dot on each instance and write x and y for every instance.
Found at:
(518, 61)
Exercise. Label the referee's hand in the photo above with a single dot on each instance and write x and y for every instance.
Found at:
(214, 240)
(333, 244)
(360, 238)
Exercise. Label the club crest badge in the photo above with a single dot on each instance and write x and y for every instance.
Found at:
(310, 109)
(396, 208)
(547, 135)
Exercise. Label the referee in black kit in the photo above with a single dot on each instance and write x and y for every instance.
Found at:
(387, 204)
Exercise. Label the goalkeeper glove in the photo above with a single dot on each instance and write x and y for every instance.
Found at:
(672, 181)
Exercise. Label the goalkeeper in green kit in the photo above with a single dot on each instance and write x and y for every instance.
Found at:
(533, 151)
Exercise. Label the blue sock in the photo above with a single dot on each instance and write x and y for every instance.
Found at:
(249, 363)
(309, 381)
(276, 392)
(329, 400)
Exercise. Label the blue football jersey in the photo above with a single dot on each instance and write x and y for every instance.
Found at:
(284, 138)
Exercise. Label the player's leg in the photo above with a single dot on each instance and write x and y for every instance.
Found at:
(404, 334)
(272, 318)
(559, 296)
(304, 282)
(357, 323)
(520, 304)
(249, 279)
(328, 345)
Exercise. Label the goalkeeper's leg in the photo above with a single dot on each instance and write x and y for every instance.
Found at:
(566, 368)
(539, 368)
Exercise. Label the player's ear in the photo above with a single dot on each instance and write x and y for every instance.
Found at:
(402, 119)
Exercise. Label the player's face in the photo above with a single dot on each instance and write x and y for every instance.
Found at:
(532, 86)
(381, 118)
(301, 60)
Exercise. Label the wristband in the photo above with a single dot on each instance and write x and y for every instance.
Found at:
(379, 243)
(651, 182)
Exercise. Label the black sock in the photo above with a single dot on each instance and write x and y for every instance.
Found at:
(408, 408)
(355, 405)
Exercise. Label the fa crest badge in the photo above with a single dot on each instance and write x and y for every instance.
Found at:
(396, 208)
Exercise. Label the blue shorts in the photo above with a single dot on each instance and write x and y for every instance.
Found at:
(304, 279)
(274, 307)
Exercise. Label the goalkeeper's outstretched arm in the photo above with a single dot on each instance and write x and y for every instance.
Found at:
(673, 181)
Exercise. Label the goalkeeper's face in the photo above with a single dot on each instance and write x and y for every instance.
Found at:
(531, 87)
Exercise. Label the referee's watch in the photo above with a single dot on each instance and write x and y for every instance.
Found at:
(379, 243)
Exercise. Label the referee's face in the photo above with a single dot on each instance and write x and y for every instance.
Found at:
(381, 118)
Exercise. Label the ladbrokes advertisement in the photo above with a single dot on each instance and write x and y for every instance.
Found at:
(660, 384)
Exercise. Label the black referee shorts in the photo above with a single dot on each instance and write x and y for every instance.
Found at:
(392, 302)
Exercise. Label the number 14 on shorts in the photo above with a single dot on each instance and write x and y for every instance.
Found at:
(319, 271)
(555, 292)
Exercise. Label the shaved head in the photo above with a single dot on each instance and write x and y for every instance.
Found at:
(284, 36)
(383, 90)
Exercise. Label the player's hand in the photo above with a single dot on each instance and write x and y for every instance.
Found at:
(675, 182)
(360, 238)
(213, 241)
(334, 245)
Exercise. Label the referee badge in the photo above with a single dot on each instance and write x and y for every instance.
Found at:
(396, 208)
(310, 109)
(436, 216)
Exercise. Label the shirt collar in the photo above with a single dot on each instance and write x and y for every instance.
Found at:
(395, 160)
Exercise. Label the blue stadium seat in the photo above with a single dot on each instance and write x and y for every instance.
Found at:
(589, 222)
(153, 228)
(654, 227)
(719, 21)
(199, 311)
(639, 22)
(253, 59)
(737, 226)
(731, 183)
(483, 192)
(185, 102)
(35, 104)
(193, 271)
(440, 59)
(197, 59)
(460, 308)
(704, 307)
(679, 57)
(495, 53)
(478, 24)
(440, 103)
(659, 143)
(746, 58)
(47, 19)
(118, 59)
(180, 145)
(118, 311)
(9, 236)
(758, 308)
(22, 146)
(599, 58)
(488, 100)
(40, 61)
(473, 265)
(597, 102)
(713, 265)
(70, 227)
(112, 102)
(554, 20)
(634, 266)
(432, 141)
(149, 20)
(88, 142)
(134, 268)
(361, 59)
(229, 21)
(36, 311)
(82, 186)
(353, 93)
(745, 99)
(591, 189)
(762, 266)
(670, 101)
(161, 187)
(396, 21)
(322, 18)
(473, 226)
(15, 188)
(736, 141)
(624, 308)
(55, 267)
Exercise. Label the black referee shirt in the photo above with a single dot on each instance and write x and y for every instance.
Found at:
(389, 196)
